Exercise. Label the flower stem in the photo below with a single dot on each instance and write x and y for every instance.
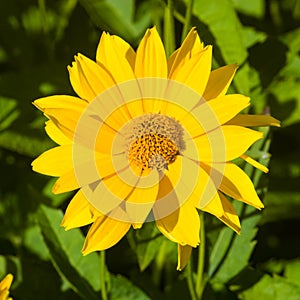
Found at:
(190, 280)
(187, 21)
(102, 275)
(201, 257)
(169, 29)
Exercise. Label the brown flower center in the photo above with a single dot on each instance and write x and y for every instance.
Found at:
(154, 141)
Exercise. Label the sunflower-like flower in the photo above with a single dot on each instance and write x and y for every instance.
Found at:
(5, 286)
(149, 138)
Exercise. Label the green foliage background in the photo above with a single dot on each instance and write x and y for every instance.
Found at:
(38, 39)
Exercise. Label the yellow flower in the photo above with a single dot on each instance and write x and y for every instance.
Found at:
(150, 138)
(4, 287)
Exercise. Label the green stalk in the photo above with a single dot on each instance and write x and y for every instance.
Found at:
(190, 280)
(201, 260)
(169, 30)
(102, 275)
(187, 21)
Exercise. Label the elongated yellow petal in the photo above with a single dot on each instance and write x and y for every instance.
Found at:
(56, 134)
(66, 183)
(184, 254)
(183, 53)
(238, 185)
(150, 56)
(214, 113)
(60, 101)
(219, 81)
(64, 111)
(221, 207)
(88, 78)
(254, 120)
(182, 226)
(195, 72)
(54, 162)
(104, 233)
(230, 217)
(117, 56)
(6, 282)
(254, 163)
(223, 144)
(78, 212)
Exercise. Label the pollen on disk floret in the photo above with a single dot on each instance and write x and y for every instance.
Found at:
(153, 141)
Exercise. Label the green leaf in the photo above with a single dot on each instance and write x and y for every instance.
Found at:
(292, 272)
(272, 288)
(223, 23)
(234, 259)
(255, 8)
(64, 247)
(23, 144)
(116, 17)
(148, 241)
(123, 289)
(8, 112)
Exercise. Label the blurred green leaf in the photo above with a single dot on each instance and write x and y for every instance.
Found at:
(8, 112)
(116, 17)
(272, 288)
(148, 241)
(222, 21)
(123, 289)
(64, 247)
(254, 8)
(292, 272)
(33, 240)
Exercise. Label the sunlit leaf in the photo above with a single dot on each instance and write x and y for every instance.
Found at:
(64, 248)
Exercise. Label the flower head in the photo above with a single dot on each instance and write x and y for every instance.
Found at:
(149, 138)
(5, 286)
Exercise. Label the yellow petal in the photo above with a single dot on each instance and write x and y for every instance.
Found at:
(177, 60)
(184, 254)
(214, 207)
(223, 144)
(66, 183)
(182, 226)
(150, 56)
(254, 120)
(221, 207)
(238, 185)
(78, 212)
(60, 101)
(89, 79)
(64, 111)
(104, 233)
(213, 113)
(54, 162)
(56, 134)
(111, 192)
(230, 217)
(254, 163)
(189, 182)
(195, 72)
(6, 282)
(219, 81)
(117, 56)
(140, 202)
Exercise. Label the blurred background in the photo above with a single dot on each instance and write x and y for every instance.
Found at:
(38, 39)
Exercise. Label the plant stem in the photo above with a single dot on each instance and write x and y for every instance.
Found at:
(201, 257)
(190, 280)
(102, 275)
(187, 21)
(169, 30)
